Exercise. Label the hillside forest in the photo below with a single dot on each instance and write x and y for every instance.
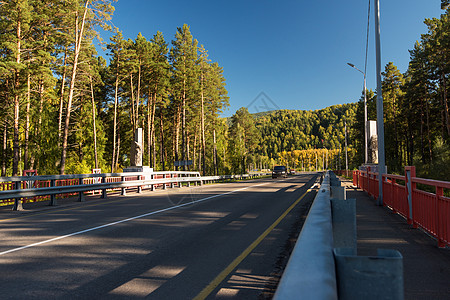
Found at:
(66, 109)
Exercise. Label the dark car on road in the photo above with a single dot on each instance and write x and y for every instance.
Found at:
(279, 171)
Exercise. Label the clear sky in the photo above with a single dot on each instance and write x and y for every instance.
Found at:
(292, 54)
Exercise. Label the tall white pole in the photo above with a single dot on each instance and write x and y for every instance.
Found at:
(366, 142)
(380, 120)
(346, 152)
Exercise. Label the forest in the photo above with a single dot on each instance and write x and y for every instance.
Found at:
(65, 109)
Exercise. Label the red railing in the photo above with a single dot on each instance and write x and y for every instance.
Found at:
(366, 180)
(430, 211)
(395, 194)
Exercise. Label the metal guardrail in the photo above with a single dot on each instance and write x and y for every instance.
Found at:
(82, 176)
(138, 179)
(310, 273)
(122, 181)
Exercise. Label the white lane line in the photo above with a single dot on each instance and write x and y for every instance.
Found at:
(125, 220)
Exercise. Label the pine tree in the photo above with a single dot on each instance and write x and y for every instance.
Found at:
(244, 138)
(90, 14)
(393, 95)
(183, 57)
(116, 46)
(158, 88)
(16, 24)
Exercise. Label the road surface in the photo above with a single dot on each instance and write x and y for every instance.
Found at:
(219, 241)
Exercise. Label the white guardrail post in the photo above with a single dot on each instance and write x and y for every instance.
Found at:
(18, 200)
(80, 194)
(52, 196)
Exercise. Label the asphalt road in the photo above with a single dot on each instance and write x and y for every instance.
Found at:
(221, 241)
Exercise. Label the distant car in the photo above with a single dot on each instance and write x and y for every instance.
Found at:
(279, 171)
(292, 172)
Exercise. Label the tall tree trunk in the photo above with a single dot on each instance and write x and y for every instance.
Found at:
(428, 132)
(118, 150)
(203, 129)
(39, 124)
(188, 142)
(445, 103)
(199, 156)
(183, 126)
(133, 109)
(78, 40)
(61, 98)
(174, 130)
(16, 102)
(177, 134)
(151, 108)
(5, 147)
(116, 100)
(194, 154)
(27, 125)
(397, 154)
(152, 132)
(215, 153)
(149, 138)
(93, 123)
(138, 95)
(422, 143)
(154, 151)
(163, 163)
(411, 143)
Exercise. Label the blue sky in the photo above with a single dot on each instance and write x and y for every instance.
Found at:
(293, 54)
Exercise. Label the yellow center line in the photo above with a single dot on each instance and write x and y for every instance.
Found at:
(213, 284)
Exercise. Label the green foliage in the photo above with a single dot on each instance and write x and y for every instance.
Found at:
(445, 4)
(75, 165)
(438, 168)
(243, 140)
(395, 123)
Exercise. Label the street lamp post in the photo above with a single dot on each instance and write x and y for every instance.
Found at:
(365, 114)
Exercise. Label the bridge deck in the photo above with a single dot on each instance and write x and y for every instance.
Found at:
(426, 267)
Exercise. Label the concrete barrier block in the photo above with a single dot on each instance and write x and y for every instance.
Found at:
(369, 277)
(338, 192)
(343, 214)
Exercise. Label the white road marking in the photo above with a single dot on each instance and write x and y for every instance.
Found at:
(125, 220)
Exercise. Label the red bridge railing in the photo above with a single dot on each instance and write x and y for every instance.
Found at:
(421, 201)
